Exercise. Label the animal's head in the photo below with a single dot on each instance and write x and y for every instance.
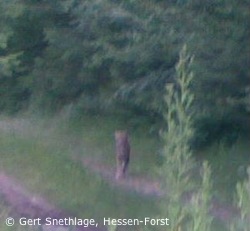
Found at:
(121, 135)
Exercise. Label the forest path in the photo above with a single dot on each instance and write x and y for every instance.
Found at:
(23, 202)
(19, 201)
(148, 187)
(140, 184)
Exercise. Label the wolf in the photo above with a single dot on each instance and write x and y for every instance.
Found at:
(122, 153)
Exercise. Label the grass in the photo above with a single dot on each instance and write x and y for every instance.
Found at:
(39, 153)
(95, 137)
(39, 156)
(229, 165)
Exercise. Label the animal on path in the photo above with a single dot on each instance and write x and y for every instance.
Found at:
(122, 153)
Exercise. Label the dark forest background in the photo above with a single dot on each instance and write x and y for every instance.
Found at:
(114, 57)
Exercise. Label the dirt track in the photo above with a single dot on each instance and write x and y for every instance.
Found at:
(149, 187)
(23, 203)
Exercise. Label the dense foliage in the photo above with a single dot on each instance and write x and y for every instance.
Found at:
(116, 56)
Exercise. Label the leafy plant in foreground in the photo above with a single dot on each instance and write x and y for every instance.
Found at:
(243, 203)
(187, 201)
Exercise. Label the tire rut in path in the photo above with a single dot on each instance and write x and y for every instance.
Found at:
(24, 204)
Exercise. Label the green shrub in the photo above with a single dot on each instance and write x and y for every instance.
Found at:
(179, 164)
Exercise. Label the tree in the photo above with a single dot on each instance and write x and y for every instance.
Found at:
(220, 45)
(118, 55)
(21, 43)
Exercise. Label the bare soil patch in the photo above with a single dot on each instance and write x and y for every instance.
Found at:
(149, 187)
(137, 183)
(24, 204)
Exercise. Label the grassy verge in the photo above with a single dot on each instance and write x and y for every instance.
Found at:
(39, 153)
(39, 156)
